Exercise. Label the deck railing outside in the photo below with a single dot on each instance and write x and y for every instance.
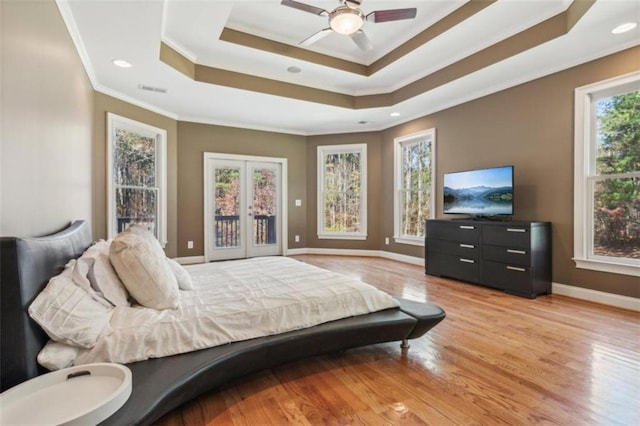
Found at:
(228, 230)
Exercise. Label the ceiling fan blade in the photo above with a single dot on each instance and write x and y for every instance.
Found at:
(304, 7)
(317, 36)
(354, 3)
(392, 15)
(361, 39)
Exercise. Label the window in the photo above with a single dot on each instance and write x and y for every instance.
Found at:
(607, 176)
(342, 191)
(136, 173)
(414, 186)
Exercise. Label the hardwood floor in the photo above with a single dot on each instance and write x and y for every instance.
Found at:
(496, 359)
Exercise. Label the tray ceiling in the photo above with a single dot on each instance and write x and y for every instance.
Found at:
(229, 62)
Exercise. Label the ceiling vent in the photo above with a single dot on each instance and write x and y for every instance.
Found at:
(151, 88)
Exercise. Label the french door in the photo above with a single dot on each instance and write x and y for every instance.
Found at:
(244, 205)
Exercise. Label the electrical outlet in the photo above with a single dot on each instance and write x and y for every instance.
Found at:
(297, 238)
(386, 240)
(298, 203)
(189, 244)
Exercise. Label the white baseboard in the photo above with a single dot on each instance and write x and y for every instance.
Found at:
(402, 258)
(610, 299)
(189, 260)
(334, 252)
(365, 253)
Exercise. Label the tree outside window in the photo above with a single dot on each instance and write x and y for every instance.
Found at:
(616, 193)
(342, 191)
(414, 186)
(607, 176)
(136, 176)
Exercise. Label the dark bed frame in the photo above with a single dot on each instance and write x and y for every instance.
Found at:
(162, 384)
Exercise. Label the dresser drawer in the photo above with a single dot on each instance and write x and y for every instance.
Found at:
(453, 247)
(513, 278)
(505, 235)
(450, 230)
(459, 267)
(511, 255)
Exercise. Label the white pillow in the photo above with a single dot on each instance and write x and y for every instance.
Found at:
(103, 277)
(141, 264)
(56, 355)
(67, 312)
(182, 276)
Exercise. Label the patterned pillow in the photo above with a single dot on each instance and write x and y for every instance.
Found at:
(68, 313)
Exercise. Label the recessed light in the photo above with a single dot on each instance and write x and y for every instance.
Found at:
(121, 63)
(624, 28)
(294, 70)
(395, 114)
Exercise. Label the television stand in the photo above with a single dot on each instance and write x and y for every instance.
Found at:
(513, 256)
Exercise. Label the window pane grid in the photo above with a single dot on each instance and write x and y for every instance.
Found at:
(614, 179)
(415, 212)
(416, 165)
(134, 159)
(342, 189)
(136, 176)
(414, 185)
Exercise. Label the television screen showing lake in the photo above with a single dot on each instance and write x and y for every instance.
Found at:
(479, 207)
(479, 192)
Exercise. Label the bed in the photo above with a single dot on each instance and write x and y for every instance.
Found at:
(162, 384)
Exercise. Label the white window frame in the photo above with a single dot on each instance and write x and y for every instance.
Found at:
(117, 122)
(323, 151)
(585, 176)
(397, 183)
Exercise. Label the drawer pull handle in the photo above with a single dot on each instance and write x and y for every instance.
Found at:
(516, 251)
(515, 268)
(467, 227)
(467, 246)
(516, 230)
(467, 260)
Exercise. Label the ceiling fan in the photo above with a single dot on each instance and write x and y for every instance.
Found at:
(347, 19)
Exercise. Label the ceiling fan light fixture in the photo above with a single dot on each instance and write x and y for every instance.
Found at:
(346, 20)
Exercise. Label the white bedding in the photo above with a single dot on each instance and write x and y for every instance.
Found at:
(235, 301)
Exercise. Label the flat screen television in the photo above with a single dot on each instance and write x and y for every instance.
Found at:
(481, 192)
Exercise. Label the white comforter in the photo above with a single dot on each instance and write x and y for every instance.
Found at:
(235, 301)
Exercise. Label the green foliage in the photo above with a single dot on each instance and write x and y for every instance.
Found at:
(227, 187)
(617, 199)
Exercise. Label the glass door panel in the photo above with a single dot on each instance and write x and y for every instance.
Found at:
(243, 204)
(227, 213)
(228, 218)
(264, 199)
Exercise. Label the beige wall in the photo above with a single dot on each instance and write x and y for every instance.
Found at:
(196, 139)
(531, 127)
(53, 150)
(47, 114)
(374, 198)
(103, 105)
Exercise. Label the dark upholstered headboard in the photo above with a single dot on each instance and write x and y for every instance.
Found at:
(26, 265)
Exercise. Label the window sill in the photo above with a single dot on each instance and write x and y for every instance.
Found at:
(611, 267)
(360, 237)
(409, 241)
